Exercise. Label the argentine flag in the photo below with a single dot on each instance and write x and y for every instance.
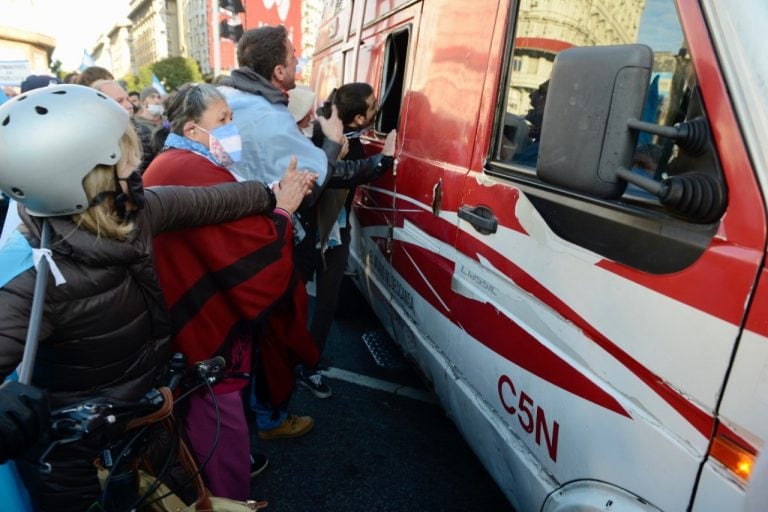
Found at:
(157, 85)
(15, 258)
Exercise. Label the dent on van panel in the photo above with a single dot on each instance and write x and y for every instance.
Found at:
(537, 228)
(485, 180)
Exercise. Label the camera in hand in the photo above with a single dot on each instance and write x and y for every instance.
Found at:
(326, 109)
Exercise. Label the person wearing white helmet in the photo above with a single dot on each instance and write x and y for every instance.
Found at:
(104, 329)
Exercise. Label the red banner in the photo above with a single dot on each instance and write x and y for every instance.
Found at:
(276, 12)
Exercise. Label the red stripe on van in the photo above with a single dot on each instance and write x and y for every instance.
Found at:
(430, 275)
(697, 417)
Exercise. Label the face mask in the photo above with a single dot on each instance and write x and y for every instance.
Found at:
(155, 110)
(225, 144)
(135, 193)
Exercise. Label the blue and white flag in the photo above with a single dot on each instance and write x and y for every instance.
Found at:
(157, 85)
(15, 257)
(86, 61)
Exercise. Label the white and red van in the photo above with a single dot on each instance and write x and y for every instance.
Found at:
(572, 244)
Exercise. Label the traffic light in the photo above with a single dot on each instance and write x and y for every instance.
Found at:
(233, 6)
(233, 32)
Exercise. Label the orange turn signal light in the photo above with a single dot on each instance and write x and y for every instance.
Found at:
(730, 454)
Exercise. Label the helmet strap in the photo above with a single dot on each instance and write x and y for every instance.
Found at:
(101, 197)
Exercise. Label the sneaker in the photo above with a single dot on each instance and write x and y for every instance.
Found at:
(293, 426)
(259, 463)
(314, 382)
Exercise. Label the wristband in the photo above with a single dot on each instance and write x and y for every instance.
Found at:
(283, 211)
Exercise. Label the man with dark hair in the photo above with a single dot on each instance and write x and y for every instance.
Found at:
(257, 93)
(135, 99)
(356, 105)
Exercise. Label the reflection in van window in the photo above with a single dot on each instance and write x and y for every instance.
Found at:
(542, 31)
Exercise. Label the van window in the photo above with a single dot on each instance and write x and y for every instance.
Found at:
(538, 32)
(392, 79)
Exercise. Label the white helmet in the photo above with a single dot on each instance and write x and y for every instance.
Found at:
(50, 139)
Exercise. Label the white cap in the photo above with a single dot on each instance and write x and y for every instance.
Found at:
(300, 101)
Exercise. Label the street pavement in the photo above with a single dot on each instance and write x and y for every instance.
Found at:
(380, 443)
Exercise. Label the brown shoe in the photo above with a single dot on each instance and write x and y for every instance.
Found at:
(293, 426)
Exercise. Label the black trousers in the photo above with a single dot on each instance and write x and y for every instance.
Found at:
(329, 272)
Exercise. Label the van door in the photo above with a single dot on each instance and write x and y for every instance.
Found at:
(384, 58)
(438, 125)
(600, 331)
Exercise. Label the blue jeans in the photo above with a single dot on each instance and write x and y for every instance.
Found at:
(267, 417)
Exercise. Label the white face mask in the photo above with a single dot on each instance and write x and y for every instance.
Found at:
(155, 110)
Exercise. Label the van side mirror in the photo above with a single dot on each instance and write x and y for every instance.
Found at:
(585, 138)
(590, 126)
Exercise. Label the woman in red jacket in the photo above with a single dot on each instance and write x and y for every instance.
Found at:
(219, 284)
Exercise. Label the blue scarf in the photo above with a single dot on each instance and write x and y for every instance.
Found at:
(179, 142)
(15, 257)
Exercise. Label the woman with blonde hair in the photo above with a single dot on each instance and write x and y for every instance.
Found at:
(104, 330)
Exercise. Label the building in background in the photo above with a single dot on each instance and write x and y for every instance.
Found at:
(208, 30)
(236, 16)
(311, 15)
(154, 31)
(194, 32)
(24, 50)
(113, 49)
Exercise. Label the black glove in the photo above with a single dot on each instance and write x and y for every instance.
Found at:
(24, 412)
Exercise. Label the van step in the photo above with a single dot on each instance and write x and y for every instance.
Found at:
(384, 351)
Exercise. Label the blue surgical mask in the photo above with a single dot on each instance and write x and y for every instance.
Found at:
(225, 144)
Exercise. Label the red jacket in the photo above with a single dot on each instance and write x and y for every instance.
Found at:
(219, 282)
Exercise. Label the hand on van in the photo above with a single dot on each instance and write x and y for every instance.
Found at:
(293, 187)
(332, 127)
(389, 144)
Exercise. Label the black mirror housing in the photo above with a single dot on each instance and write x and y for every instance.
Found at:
(592, 94)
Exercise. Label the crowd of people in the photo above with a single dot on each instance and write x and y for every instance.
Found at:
(247, 199)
